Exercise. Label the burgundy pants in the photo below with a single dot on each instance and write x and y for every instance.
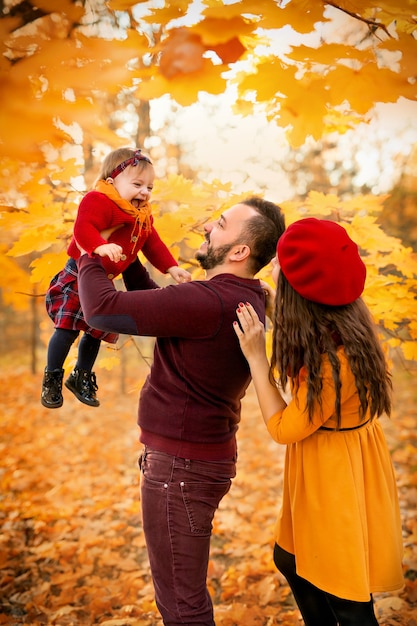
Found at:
(179, 498)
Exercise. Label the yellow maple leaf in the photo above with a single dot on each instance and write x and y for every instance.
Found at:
(388, 299)
(243, 107)
(409, 349)
(84, 62)
(367, 203)
(64, 169)
(292, 111)
(213, 30)
(341, 121)
(319, 203)
(260, 13)
(271, 77)
(176, 187)
(40, 215)
(400, 13)
(292, 211)
(364, 86)
(66, 7)
(171, 228)
(404, 259)
(407, 44)
(34, 239)
(171, 11)
(301, 14)
(16, 291)
(329, 54)
(46, 266)
(413, 328)
(393, 342)
(24, 140)
(8, 25)
(185, 88)
(124, 5)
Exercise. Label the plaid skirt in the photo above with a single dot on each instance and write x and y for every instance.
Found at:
(63, 304)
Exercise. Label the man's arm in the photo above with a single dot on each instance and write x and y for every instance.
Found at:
(186, 310)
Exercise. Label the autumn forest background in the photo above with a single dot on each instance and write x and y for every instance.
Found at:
(312, 105)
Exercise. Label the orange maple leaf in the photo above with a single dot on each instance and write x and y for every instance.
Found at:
(182, 54)
(230, 51)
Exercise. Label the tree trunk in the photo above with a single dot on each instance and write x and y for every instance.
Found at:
(144, 125)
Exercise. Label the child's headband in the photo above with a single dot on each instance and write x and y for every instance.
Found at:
(134, 160)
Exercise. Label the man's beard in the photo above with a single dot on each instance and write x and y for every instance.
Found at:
(213, 256)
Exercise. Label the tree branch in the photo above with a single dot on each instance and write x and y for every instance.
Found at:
(373, 25)
(26, 12)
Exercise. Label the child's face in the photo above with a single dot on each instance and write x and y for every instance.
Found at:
(135, 184)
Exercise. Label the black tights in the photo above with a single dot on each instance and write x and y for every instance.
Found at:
(60, 344)
(317, 607)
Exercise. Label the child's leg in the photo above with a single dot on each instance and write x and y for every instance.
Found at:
(58, 348)
(351, 613)
(87, 352)
(311, 601)
(82, 381)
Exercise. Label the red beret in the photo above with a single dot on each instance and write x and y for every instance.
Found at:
(321, 262)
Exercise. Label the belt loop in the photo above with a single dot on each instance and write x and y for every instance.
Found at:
(187, 464)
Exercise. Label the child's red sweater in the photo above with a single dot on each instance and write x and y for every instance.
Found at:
(97, 213)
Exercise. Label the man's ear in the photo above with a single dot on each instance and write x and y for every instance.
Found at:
(240, 253)
(109, 180)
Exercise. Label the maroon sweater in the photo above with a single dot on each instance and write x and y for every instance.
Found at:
(190, 403)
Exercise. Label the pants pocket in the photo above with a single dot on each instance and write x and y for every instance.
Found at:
(201, 501)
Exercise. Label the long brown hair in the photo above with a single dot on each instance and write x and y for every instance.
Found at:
(304, 331)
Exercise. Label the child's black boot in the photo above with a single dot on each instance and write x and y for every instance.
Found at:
(51, 395)
(83, 385)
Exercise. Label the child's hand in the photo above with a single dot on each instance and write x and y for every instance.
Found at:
(112, 250)
(180, 275)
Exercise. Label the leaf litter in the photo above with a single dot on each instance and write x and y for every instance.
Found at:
(72, 550)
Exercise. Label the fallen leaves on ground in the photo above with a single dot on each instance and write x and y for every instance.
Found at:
(72, 548)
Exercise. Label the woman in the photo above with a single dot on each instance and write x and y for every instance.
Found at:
(338, 536)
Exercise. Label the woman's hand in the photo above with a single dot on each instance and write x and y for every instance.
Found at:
(250, 332)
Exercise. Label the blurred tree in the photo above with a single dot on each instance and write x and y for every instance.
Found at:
(399, 215)
(73, 75)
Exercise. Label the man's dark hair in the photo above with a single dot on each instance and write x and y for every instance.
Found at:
(263, 231)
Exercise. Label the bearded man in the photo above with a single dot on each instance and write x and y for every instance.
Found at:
(190, 404)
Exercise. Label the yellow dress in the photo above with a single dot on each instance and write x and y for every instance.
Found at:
(340, 515)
